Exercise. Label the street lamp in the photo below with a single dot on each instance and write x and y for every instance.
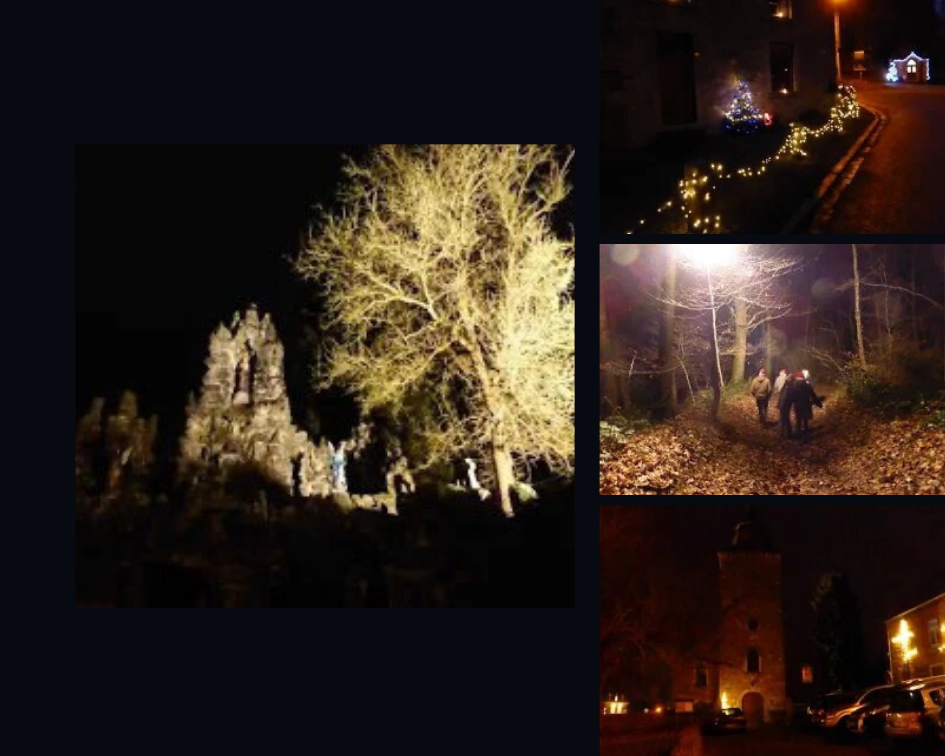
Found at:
(709, 256)
(836, 34)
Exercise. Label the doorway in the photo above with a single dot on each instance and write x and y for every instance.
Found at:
(753, 705)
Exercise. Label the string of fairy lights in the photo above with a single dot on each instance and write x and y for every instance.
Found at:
(696, 189)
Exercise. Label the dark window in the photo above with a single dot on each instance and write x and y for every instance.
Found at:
(754, 660)
(752, 624)
(782, 67)
(702, 678)
(676, 78)
(879, 696)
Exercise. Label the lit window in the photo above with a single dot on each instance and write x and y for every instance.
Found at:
(782, 67)
(935, 635)
(910, 66)
(780, 8)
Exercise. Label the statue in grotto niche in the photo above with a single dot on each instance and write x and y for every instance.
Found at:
(241, 421)
(245, 373)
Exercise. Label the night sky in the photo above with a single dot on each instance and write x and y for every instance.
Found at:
(174, 240)
(892, 554)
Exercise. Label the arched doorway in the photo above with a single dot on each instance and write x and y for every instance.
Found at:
(754, 707)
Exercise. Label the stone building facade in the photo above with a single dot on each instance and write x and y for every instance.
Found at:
(917, 640)
(740, 660)
(751, 633)
(672, 65)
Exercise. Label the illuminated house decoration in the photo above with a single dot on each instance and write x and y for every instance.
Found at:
(904, 642)
(916, 647)
(911, 68)
(743, 117)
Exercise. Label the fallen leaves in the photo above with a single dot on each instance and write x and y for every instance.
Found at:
(850, 452)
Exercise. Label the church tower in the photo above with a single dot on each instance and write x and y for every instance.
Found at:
(751, 669)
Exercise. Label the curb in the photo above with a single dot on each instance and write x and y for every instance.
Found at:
(825, 213)
(811, 202)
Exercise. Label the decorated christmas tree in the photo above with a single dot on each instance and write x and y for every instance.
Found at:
(742, 117)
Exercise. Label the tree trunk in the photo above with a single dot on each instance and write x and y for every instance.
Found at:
(718, 385)
(859, 316)
(715, 331)
(741, 340)
(915, 320)
(668, 357)
(610, 380)
(769, 358)
(504, 475)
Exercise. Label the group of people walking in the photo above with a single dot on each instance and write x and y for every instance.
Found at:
(792, 390)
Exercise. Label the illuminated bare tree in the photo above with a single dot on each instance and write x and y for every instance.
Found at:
(443, 275)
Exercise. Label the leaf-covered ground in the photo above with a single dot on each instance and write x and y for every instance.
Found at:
(850, 451)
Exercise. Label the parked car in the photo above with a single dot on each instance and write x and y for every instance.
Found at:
(727, 720)
(837, 712)
(869, 717)
(915, 710)
(827, 703)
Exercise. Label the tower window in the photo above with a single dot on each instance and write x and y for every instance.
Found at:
(752, 624)
(753, 661)
(702, 677)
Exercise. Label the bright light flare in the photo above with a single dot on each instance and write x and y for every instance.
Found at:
(709, 255)
(725, 701)
(903, 640)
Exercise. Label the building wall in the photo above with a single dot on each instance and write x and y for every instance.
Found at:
(750, 587)
(731, 38)
(929, 656)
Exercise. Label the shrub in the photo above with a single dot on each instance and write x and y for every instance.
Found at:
(615, 431)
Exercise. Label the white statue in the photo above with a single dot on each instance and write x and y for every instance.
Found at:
(338, 481)
(471, 474)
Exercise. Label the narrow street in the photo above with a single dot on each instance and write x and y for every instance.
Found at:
(789, 743)
(897, 188)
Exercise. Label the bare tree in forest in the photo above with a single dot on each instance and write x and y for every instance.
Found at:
(443, 275)
(668, 356)
(613, 394)
(859, 315)
(750, 290)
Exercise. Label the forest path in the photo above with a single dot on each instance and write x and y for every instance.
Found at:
(849, 451)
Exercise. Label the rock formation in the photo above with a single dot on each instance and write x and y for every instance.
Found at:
(242, 419)
(114, 455)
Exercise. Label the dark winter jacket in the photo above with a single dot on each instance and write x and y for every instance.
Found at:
(804, 398)
(786, 397)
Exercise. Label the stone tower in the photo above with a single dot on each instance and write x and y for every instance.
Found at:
(751, 671)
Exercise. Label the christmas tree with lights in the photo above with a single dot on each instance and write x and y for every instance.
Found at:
(742, 117)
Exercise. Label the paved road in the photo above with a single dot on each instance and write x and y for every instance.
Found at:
(786, 743)
(899, 187)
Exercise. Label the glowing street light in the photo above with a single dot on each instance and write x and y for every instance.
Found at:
(709, 256)
(836, 34)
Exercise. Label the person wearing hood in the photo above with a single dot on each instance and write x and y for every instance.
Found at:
(804, 400)
(785, 402)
